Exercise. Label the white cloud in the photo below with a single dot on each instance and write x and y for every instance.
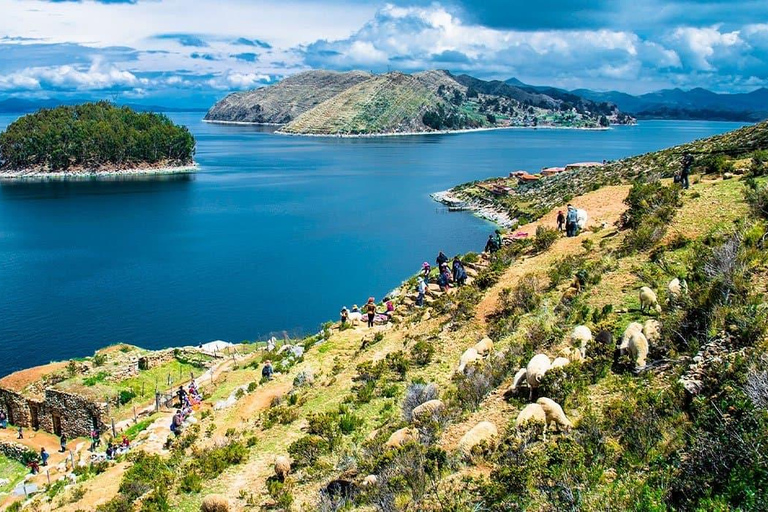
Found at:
(97, 77)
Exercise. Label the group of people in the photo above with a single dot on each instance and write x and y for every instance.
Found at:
(569, 221)
(446, 276)
(371, 313)
(189, 398)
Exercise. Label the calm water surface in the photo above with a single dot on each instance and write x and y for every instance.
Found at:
(274, 233)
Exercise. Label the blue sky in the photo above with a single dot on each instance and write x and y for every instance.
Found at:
(195, 50)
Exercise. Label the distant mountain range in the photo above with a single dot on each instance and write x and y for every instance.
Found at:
(322, 102)
(674, 103)
(24, 106)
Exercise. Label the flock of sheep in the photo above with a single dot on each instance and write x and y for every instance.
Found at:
(634, 343)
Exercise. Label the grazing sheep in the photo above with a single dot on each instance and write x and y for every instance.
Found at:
(215, 503)
(604, 338)
(282, 467)
(485, 431)
(468, 357)
(533, 373)
(649, 300)
(652, 330)
(355, 317)
(559, 362)
(370, 481)
(633, 327)
(428, 410)
(580, 336)
(636, 346)
(401, 437)
(532, 413)
(484, 347)
(554, 414)
(581, 218)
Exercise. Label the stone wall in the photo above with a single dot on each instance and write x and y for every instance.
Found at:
(58, 411)
(17, 452)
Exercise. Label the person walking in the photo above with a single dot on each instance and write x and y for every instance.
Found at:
(571, 220)
(441, 258)
(421, 288)
(370, 308)
(3, 420)
(267, 371)
(560, 221)
(425, 271)
(44, 456)
(20, 433)
(490, 245)
(459, 273)
(685, 171)
(63, 443)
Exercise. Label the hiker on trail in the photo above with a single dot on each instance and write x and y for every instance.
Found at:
(355, 309)
(34, 467)
(425, 271)
(498, 238)
(94, 439)
(267, 371)
(560, 221)
(3, 420)
(571, 220)
(21, 433)
(110, 451)
(125, 442)
(344, 316)
(63, 443)
(441, 258)
(490, 245)
(370, 308)
(685, 171)
(421, 287)
(390, 307)
(44, 456)
(182, 395)
(444, 278)
(459, 274)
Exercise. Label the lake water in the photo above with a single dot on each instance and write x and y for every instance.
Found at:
(273, 233)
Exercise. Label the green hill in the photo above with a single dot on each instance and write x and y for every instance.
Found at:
(356, 103)
(93, 137)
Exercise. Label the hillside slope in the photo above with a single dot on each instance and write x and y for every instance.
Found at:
(356, 103)
(286, 100)
(686, 431)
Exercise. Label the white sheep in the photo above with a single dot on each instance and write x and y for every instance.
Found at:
(580, 336)
(633, 327)
(649, 300)
(532, 413)
(652, 330)
(559, 362)
(484, 347)
(634, 344)
(282, 467)
(370, 481)
(485, 431)
(554, 414)
(581, 219)
(401, 437)
(469, 356)
(427, 411)
(533, 373)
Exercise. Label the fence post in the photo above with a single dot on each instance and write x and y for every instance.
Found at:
(114, 433)
(157, 401)
(135, 420)
(48, 474)
(72, 457)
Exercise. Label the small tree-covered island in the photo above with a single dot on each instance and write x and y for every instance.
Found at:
(94, 139)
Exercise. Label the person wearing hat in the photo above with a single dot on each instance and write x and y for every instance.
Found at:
(560, 220)
(344, 316)
(421, 287)
(370, 308)
(425, 270)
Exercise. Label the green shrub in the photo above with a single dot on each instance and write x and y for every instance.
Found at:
(423, 351)
(148, 472)
(306, 450)
(649, 200)
(756, 196)
(99, 359)
(191, 483)
(545, 237)
(326, 426)
(211, 462)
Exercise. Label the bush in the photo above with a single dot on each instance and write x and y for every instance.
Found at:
(99, 359)
(651, 207)
(757, 198)
(191, 483)
(306, 450)
(148, 472)
(326, 426)
(423, 351)
(545, 237)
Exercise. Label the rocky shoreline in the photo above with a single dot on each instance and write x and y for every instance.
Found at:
(478, 208)
(40, 175)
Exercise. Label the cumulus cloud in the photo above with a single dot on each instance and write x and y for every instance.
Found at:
(98, 76)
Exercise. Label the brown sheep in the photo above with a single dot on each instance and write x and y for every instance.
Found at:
(401, 437)
(215, 503)
(485, 431)
(282, 467)
(531, 413)
(427, 411)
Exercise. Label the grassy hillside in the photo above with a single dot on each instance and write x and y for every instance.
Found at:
(684, 432)
(356, 103)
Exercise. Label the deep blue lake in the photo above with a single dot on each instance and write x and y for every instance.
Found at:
(274, 234)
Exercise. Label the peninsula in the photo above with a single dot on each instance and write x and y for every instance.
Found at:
(94, 139)
(357, 103)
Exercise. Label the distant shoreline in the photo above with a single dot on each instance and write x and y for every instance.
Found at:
(399, 134)
(478, 209)
(37, 175)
